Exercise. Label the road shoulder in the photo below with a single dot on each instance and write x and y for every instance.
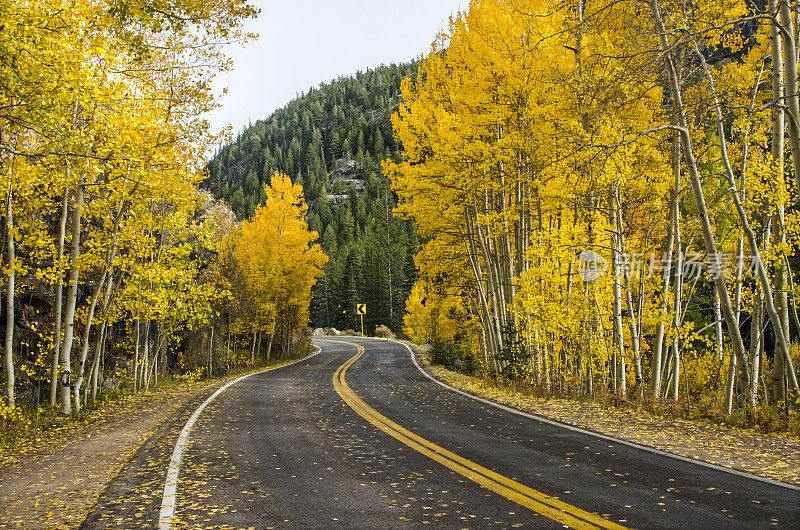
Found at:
(58, 488)
(776, 457)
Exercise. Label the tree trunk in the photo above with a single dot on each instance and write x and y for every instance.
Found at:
(618, 382)
(777, 152)
(658, 336)
(10, 291)
(62, 229)
(761, 271)
(76, 390)
(269, 344)
(696, 181)
(210, 349)
(790, 88)
(72, 296)
(756, 339)
(677, 302)
(98, 361)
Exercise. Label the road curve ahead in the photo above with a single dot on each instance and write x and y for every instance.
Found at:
(357, 437)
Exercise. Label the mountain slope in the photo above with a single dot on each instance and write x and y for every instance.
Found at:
(332, 140)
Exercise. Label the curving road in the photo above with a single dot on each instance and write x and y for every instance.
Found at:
(357, 437)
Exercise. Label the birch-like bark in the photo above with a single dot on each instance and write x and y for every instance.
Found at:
(136, 354)
(731, 379)
(761, 270)
(210, 348)
(696, 181)
(72, 296)
(756, 339)
(632, 313)
(790, 88)
(778, 128)
(10, 292)
(676, 305)
(62, 229)
(76, 389)
(618, 382)
(94, 377)
(109, 260)
(269, 344)
(97, 365)
(718, 326)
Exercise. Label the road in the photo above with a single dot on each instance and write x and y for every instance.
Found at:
(357, 437)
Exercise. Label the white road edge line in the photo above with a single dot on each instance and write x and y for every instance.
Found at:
(168, 501)
(592, 433)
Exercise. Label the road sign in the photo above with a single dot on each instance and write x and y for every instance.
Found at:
(361, 310)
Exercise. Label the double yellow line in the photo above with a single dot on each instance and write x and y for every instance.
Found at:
(510, 489)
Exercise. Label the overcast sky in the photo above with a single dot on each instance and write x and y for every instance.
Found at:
(305, 42)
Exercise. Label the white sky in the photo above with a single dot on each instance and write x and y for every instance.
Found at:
(305, 42)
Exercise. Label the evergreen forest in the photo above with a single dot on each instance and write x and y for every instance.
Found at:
(332, 140)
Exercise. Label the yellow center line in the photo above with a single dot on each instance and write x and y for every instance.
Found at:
(510, 489)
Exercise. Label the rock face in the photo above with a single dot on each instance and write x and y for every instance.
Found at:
(333, 331)
(319, 332)
(344, 175)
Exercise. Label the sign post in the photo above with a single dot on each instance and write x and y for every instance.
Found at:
(361, 309)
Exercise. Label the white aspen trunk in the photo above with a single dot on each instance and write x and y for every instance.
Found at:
(790, 88)
(632, 313)
(761, 270)
(72, 295)
(731, 385)
(10, 292)
(97, 371)
(136, 355)
(658, 336)
(227, 346)
(718, 326)
(144, 379)
(697, 187)
(253, 350)
(618, 383)
(269, 344)
(756, 339)
(731, 379)
(76, 389)
(57, 332)
(104, 278)
(490, 324)
(98, 361)
(210, 349)
(62, 229)
(676, 307)
(548, 381)
(778, 127)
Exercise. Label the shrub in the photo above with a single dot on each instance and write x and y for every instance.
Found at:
(442, 353)
(384, 332)
(470, 360)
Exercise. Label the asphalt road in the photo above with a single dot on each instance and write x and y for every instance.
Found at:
(366, 441)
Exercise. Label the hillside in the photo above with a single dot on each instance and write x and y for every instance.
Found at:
(332, 140)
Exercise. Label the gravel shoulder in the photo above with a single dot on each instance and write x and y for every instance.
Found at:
(776, 457)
